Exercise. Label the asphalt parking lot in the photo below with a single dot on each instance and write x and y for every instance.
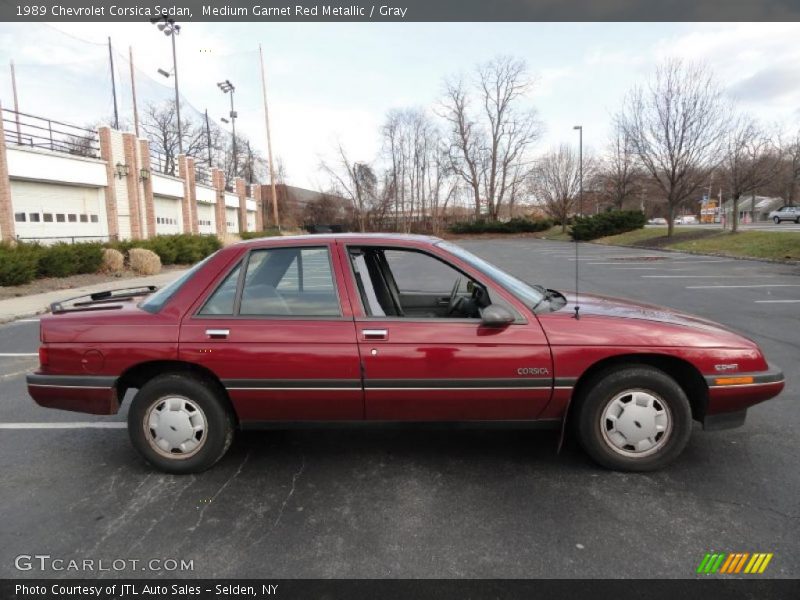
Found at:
(389, 503)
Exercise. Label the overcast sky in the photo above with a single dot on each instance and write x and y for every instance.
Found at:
(330, 82)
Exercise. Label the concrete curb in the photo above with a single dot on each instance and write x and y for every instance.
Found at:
(22, 307)
(714, 254)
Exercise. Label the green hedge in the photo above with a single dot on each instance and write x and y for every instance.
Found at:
(607, 223)
(516, 225)
(249, 235)
(26, 261)
(175, 249)
(18, 265)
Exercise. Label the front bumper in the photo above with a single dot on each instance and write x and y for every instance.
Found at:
(729, 396)
(95, 395)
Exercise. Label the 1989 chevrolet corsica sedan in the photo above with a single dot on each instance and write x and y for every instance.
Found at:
(385, 328)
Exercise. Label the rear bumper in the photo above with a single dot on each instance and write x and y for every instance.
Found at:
(79, 393)
(729, 396)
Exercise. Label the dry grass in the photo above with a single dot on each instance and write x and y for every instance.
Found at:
(113, 261)
(144, 262)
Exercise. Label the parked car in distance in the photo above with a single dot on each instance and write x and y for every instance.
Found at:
(389, 328)
(686, 220)
(786, 213)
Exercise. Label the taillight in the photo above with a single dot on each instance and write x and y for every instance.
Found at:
(42, 356)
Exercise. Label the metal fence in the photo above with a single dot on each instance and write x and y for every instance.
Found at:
(202, 173)
(69, 239)
(162, 163)
(24, 129)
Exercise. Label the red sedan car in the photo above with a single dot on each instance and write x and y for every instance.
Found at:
(389, 328)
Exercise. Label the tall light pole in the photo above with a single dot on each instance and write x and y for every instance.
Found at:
(580, 168)
(167, 25)
(580, 212)
(228, 88)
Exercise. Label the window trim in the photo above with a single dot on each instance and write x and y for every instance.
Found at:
(519, 318)
(237, 302)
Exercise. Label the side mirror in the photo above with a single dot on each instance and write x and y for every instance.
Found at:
(496, 316)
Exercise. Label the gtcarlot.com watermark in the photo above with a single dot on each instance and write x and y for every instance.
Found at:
(46, 562)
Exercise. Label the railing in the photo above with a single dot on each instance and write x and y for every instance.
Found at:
(162, 163)
(69, 238)
(202, 173)
(24, 129)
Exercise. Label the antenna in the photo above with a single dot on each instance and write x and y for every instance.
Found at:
(580, 212)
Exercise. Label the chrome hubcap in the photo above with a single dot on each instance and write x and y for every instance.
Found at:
(175, 427)
(636, 423)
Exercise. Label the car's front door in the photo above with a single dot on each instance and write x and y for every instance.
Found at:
(421, 364)
(280, 338)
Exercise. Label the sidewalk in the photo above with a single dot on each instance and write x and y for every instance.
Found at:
(36, 304)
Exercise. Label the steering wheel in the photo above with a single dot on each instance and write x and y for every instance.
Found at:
(454, 299)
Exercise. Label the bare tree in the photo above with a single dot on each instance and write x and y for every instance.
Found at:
(556, 183)
(326, 209)
(356, 181)
(418, 169)
(750, 161)
(790, 168)
(160, 127)
(677, 126)
(489, 143)
(617, 173)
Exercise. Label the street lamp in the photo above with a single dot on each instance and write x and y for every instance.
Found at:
(228, 88)
(580, 168)
(580, 212)
(170, 28)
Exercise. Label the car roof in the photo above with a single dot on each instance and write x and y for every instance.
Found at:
(318, 238)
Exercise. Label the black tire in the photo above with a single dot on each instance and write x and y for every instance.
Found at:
(214, 414)
(777, 220)
(601, 392)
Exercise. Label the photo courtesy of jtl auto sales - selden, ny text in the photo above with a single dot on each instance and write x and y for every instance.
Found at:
(425, 300)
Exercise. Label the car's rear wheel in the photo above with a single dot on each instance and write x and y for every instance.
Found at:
(180, 424)
(777, 220)
(634, 419)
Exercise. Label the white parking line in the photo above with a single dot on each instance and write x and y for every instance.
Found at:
(626, 263)
(727, 287)
(73, 425)
(689, 260)
(26, 321)
(10, 354)
(5, 376)
(665, 262)
(704, 276)
(776, 301)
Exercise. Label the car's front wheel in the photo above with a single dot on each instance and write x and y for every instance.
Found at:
(634, 419)
(777, 220)
(179, 423)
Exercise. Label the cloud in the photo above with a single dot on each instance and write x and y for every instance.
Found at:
(772, 83)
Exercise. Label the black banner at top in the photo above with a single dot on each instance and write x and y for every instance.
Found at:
(402, 10)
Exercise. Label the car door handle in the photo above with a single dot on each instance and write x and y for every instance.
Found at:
(375, 334)
(218, 333)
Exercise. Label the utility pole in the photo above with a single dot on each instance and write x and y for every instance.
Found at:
(16, 103)
(133, 94)
(208, 140)
(113, 84)
(269, 142)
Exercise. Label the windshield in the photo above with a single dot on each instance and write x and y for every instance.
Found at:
(529, 295)
(155, 302)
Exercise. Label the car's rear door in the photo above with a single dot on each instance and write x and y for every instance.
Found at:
(277, 333)
(423, 368)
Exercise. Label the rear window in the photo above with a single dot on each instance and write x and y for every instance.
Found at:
(155, 302)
